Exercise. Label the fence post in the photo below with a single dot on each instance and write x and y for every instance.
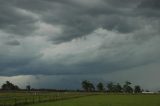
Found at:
(39, 99)
(55, 98)
(15, 101)
(50, 98)
(25, 100)
(33, 100)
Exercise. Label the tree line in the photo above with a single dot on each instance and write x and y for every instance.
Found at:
(9, 86)
(89, 87)
(111, 87)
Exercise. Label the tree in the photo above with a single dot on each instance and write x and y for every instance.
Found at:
(118, 88)
(91, 87)
(137, 89)
(110, 87)
(114, 87)
(127, 88)
(87, 86)
(28, 87)
(9, 86)
(100, 86)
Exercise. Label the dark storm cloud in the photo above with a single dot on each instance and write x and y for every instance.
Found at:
(12, 64)
(77, 19)
(62, 40)
(149, 8)
(150, 4)
(15, 20)
(13, 43)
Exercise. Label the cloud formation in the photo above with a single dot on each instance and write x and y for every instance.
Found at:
(78, 37)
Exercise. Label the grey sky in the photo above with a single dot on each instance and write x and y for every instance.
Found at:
(66, 40)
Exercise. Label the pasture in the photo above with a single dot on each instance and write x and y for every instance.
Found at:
(77, 99)
(25, 98)
(108, 100)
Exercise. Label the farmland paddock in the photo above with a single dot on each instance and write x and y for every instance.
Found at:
(25, 98)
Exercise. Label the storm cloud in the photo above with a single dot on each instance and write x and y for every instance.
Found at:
(83, 38)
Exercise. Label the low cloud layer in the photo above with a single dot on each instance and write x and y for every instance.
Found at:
(77, 38)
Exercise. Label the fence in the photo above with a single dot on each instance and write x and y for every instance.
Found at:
(38, 98)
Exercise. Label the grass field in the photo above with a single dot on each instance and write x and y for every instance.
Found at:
(70, 99)
(108, 100)
(24, 98)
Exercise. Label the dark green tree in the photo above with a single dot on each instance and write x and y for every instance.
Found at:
(137, 89)
(118, 88)
(9, 86)
(28, 87)
(127, 88)
(100, 87)
(114, 87)
(87, 86)
(91, 87)
(110, 87)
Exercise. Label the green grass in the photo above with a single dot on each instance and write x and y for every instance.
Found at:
(108, 100)
(9, 98)
(23, 98)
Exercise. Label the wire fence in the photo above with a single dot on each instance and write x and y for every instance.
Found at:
(38, 98)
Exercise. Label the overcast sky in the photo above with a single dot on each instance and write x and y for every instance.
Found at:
(63, 42)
